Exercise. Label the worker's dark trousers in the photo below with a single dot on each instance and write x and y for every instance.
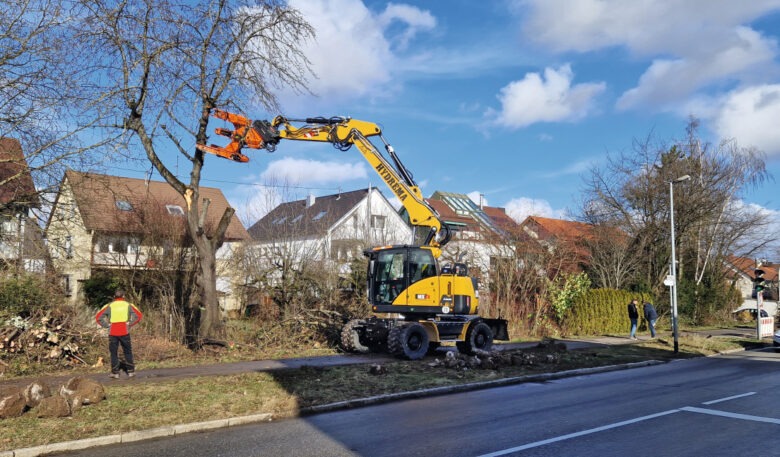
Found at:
(113, 348)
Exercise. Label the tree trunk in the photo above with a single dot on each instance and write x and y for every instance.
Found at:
(211, 316)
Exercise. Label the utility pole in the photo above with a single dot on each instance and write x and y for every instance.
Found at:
(674, 261)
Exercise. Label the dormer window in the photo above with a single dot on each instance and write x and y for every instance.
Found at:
(175, 210)
(297, 218)
(319, 216)
(124, 205)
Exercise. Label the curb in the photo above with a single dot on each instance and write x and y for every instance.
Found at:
(180, 429)
(471, 387)
(138, 435)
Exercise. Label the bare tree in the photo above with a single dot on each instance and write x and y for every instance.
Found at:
(611, 260)
(632, 193)
(36, 89)
(157, 68)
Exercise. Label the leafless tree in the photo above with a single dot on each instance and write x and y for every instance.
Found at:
(611, 261)
(37, 86)
(155, 69)
(632, 192)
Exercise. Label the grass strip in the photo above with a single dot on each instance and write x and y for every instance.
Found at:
(283, 393)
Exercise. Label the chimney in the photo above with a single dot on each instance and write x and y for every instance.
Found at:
(310, 200)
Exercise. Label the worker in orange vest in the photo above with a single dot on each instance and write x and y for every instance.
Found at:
(118, 316)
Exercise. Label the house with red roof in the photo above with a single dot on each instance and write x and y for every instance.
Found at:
(21, 241)
(741, 271)
(102, 223)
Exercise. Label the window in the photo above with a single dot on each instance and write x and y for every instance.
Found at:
(378, 222)
(134, 246)
(421, 265)
(68, 247)
(124, 205)
(175, 210)
(66, 285)
(7, 225)
(319, 216)
(297, 218)
(279, 220)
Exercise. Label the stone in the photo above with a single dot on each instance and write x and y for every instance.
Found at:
(377, 369)
(54, 406)
(12, 404)
(35, 392)
(83, 391)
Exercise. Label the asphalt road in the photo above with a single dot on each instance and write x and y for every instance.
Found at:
(719, 406)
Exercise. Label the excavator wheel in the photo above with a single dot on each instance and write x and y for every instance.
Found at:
(350, 337)
(408, 341)
(478, 337)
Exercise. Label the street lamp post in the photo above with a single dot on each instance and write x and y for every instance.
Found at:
(674, 261)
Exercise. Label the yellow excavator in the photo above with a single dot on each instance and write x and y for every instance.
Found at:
(417, 304)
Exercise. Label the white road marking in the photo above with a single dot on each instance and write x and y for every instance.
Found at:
(578, 434)
(690, 409)
(714, 412)
(712, 402)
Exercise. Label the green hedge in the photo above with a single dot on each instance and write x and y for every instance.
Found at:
(601, 312)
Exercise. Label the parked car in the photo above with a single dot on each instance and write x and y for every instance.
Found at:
(776, 340)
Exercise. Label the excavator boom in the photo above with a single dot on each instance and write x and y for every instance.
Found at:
(342, 133)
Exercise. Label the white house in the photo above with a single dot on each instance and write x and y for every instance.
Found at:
(332, 228)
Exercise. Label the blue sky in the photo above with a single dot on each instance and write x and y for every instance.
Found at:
(515, 100)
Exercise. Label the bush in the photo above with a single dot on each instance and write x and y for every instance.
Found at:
(601, 311)
(22, 295)
(100, 288)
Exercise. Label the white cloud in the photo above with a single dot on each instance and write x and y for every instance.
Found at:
(353, 53)
(413, 18)
(478, 197)
(666, 81)
(643, 27)
(313, 172)
(750, 116)
(694, 44)
(573, 168)
(545, 99)
(254, 202)
(520, 208)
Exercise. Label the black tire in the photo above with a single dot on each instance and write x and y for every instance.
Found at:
(479, 337)
(409, 341)
(350, 337)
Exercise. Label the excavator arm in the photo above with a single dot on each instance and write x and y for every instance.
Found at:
(342, 133)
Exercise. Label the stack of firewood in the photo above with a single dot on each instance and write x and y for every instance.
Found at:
(43, 338)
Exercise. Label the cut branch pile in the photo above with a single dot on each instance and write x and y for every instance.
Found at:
(44, 338)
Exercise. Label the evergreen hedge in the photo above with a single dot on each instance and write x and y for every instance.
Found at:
(601, 312)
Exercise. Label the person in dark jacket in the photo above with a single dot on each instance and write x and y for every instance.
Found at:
(633, 316)
(118, 316)
(651, 315)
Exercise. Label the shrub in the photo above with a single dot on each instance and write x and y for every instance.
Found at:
(100, 288)
(21, 295)
(601, 311)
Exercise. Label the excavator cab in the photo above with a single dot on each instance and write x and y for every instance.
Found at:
(407, 280)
